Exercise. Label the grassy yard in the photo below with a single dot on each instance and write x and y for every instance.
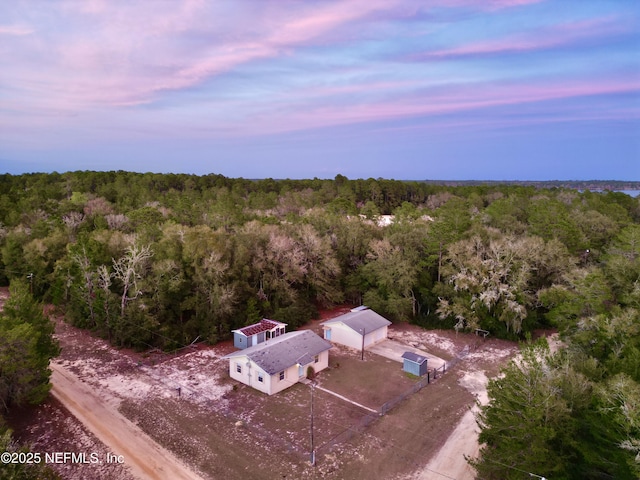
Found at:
(406, 438)
(371, 382)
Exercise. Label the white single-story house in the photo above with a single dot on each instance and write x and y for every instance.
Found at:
(257, 333)
(279, 362)
(359, 328)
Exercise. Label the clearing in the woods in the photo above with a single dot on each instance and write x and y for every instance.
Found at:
(216, 428)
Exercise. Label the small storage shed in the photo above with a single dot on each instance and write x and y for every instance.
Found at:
(257, 333)
(414, 364)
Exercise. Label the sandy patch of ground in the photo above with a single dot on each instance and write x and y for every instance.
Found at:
(50, 428)
(463, 441)
(442, 343)
(476, 382)
(196, 374)
(393, 350)
(129, 446)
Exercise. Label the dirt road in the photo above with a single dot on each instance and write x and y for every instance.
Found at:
(145, 458)
(450, 459)
(463, 441)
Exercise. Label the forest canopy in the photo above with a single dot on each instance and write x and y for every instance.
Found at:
(158, 260)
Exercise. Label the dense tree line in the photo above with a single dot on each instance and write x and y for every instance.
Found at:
(162, 259)
(159, 260)
(26, 347)
(575, 414)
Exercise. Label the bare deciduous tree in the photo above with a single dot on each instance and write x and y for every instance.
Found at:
(128, 270)
(88, 278)
(116, 221)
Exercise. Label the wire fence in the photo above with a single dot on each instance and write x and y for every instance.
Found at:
(346, 435)
(416, 387)
(368, 418)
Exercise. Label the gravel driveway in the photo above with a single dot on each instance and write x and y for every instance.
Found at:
(393, 350)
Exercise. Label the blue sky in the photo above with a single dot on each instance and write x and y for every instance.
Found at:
(404, 89)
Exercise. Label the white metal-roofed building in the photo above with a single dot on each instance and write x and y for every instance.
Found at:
(280, 362)
(358, 329)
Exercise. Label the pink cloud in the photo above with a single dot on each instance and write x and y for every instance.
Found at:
(455, 100)
(496, 123)
(126, 61)
(244, 118)
(486, 4)
(16, 30)
(556, 36)
(279, 35)
(512, 3)
(112, 59)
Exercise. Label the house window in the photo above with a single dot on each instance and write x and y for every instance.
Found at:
(238, 368)
(316, 359)
(282, 375)
(260, 377)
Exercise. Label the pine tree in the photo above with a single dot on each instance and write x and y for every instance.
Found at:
(26, 347)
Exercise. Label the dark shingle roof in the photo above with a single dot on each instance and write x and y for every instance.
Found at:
(280, 353)
(360, 320)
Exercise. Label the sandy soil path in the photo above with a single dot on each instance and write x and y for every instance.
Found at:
(450, 459)
(145, 458)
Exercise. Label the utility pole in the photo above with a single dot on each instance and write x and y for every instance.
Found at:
(313, 451)
(30, 277)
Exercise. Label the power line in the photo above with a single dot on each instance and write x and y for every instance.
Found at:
(348, 407)
(386, 441)
(518, 469)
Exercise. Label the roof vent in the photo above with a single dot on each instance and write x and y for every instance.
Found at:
(360, 308)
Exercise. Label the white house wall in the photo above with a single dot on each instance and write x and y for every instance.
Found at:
(249, 373)
(291, 374)
(344, 335)
(290, 378)
(376, 336)
(271, 384)
(323, 362)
